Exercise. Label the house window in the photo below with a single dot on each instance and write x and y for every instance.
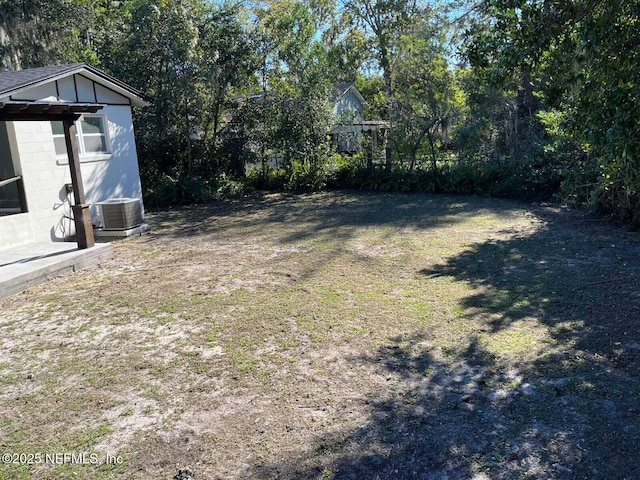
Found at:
(92, 136)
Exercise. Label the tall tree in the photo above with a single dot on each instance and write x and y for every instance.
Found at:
(158, 55)
(36, 33)
(226, 63)
(293, 104)
(428, 97)
(383, 23)
(190, 56)
(581, 59)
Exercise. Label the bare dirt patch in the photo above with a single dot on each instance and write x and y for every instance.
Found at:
(335, 335)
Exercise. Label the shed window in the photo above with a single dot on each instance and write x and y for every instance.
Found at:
(92, 136)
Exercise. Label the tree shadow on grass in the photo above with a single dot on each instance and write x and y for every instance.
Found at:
(580, 281)
(570, 409)
(333, 215)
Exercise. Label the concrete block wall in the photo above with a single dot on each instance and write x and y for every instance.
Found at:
(44, 182)
(45, 176)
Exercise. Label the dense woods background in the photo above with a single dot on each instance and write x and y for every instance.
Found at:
(522, 98)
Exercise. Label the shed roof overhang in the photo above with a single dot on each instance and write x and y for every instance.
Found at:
(363, 126)
(45, 111)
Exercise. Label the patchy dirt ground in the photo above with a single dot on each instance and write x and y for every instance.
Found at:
(334, 336)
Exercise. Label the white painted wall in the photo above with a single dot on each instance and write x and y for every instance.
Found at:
(45, 176)
(118, 174)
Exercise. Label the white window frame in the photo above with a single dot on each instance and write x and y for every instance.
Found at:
(84, 155)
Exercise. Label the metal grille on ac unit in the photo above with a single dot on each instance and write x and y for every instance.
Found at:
(120, 213)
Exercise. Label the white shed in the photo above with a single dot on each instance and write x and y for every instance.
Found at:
(66, 142)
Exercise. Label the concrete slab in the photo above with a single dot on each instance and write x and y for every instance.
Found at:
(117, 234)
(34, 263)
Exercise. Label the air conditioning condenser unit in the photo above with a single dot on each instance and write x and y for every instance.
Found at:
(120, 213)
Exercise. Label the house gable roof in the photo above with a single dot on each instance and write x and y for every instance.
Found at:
(14, 82)
(342, 88)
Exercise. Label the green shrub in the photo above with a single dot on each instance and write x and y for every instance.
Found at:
(299, 177)
(229, 187)
(187, 190)
(268, 178)
(181, 190)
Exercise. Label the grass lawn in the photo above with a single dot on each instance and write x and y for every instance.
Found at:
(334, 336)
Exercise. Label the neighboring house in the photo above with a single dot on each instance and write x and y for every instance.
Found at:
(348, 103)
(66, 143)
(350, 125)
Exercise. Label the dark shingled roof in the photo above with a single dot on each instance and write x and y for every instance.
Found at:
(20, 79)
(13, 82)
(338, 89)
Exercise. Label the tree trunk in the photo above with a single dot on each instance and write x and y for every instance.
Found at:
(388, 88)
(434, 158)
(188, 137)
(412, 164)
